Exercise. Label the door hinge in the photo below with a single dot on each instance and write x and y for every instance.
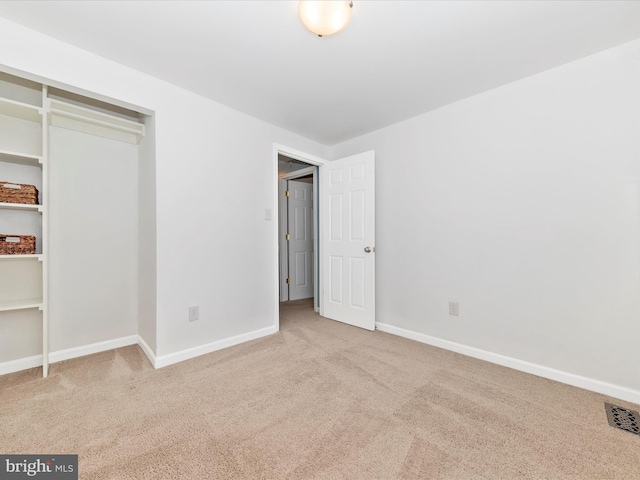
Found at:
(287, 237)
(288, 281)
(286, 193)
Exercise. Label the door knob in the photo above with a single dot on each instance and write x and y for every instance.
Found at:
(369, 249)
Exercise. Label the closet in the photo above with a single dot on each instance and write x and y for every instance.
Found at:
(79, 285)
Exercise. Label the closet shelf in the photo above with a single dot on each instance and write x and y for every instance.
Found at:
(20, 110)
(70, 116)
(21, 206)
(35, 256)
(7, 306)
(20, 158)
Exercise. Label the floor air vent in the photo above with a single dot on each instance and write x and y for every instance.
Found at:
(622, 418)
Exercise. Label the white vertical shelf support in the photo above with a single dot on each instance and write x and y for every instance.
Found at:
(46, 108)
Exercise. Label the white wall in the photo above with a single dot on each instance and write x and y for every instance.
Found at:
(214, 248)
(522, 204)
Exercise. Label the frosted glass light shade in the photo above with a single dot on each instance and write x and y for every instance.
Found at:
(324, 17)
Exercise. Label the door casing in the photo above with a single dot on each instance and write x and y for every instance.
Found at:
(314, 161)
(282, 226)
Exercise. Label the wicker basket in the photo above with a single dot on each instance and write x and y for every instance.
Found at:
(18, 193)
(17, 244)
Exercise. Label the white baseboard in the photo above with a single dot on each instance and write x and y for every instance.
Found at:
(171, 358)
(148, 351)
(20, 364)
(598, 386)
(67, 354)
(157, 361)
(98, 347)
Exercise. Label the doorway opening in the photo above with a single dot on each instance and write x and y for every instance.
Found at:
(298, 228)
(343, 226)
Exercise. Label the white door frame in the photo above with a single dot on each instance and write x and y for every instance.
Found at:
(311, 160)
(283, 210)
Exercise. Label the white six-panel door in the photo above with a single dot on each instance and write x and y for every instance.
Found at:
(347, 248)
(300, 243)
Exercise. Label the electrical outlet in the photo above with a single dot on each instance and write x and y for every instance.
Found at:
(194, 313)
(454, 308)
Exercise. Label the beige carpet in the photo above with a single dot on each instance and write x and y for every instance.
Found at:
(318, 400)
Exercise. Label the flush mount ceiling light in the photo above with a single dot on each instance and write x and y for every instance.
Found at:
(325, 18)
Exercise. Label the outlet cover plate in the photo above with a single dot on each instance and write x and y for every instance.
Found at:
(194, 313)
(454, 308)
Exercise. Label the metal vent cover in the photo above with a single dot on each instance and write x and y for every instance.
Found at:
(623, 418)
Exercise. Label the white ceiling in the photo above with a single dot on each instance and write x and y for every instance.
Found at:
(396, 60)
